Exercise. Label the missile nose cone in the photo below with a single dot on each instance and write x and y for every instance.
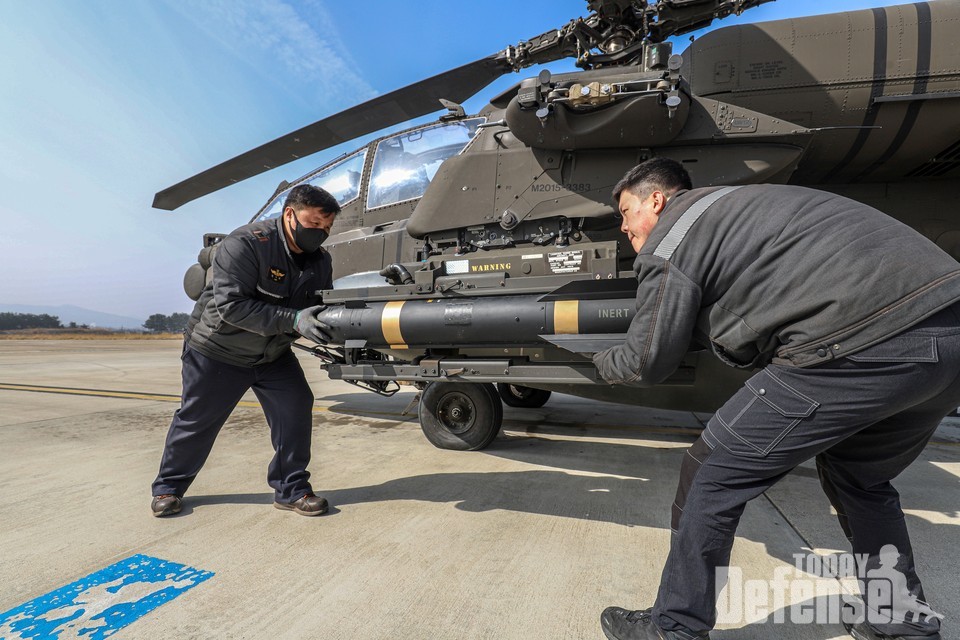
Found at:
(331, 316)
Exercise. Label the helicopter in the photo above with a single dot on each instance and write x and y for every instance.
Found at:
(480, 258)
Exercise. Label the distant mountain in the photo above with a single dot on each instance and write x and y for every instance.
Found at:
(69, 313)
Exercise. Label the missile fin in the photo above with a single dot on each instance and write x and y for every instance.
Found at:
(586, 344)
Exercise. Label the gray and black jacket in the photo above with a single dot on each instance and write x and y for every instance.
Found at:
(246, 313)
(774, 273)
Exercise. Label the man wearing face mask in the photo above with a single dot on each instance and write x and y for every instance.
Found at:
(262, 297)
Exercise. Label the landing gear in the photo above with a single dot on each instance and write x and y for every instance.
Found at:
(516, 396)
(463, 416)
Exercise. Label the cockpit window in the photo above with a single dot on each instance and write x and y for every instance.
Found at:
(341, 180)
(406, 163)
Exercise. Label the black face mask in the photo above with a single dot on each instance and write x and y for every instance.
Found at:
(309, 240)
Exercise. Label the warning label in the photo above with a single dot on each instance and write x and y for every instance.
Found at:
(565, 261)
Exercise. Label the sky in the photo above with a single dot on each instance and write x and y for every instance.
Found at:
(105, 102)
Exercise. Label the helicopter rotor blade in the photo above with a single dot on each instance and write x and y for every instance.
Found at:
(383, 111)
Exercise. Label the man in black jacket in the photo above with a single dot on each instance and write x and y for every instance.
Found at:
(262, 297)
(851, 319)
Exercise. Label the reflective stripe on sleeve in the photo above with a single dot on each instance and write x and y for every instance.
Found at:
(676, 234)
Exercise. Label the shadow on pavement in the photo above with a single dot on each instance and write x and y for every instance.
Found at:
(190, 502)
(552, 493)
(816, 618)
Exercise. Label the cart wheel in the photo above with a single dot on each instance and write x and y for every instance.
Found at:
(461, 416)
(516, 396)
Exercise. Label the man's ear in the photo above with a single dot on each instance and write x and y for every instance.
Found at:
(659, 201)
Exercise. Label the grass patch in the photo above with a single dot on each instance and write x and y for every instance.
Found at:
(84, 334)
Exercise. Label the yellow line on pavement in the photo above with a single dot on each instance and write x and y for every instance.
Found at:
(91, 392)
(132, 395)
(101, 393)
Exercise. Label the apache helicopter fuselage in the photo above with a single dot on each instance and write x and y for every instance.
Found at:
(486, 249)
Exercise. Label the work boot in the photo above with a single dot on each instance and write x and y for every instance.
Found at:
(863, 631)
(620, 624)
(166, 505)
(308, 505)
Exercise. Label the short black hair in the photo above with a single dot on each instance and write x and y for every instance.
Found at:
(307, 195)
(656, 174)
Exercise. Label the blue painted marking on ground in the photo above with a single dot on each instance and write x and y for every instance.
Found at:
(102, 603)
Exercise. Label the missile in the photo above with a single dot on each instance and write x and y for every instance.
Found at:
(492, 321)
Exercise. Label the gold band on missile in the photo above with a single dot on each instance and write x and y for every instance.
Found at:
(390, 325)
(565, 316)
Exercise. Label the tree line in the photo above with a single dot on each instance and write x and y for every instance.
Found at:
(158, 322)
(174, 323)
(14, 321)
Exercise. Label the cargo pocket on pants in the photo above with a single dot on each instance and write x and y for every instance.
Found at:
(759, 416)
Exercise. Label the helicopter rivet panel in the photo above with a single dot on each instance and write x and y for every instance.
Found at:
(879, 113)
(539, 189)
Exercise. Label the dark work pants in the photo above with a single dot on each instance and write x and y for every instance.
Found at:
(864, 418)
(211, 391)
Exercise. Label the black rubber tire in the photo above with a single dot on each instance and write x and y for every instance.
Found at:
(514, 395)
(461, 416)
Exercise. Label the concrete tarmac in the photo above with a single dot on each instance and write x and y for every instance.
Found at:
(565, 514)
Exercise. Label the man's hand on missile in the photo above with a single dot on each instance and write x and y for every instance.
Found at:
(309, 326)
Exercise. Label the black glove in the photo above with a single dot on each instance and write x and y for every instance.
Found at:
(310, 327)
